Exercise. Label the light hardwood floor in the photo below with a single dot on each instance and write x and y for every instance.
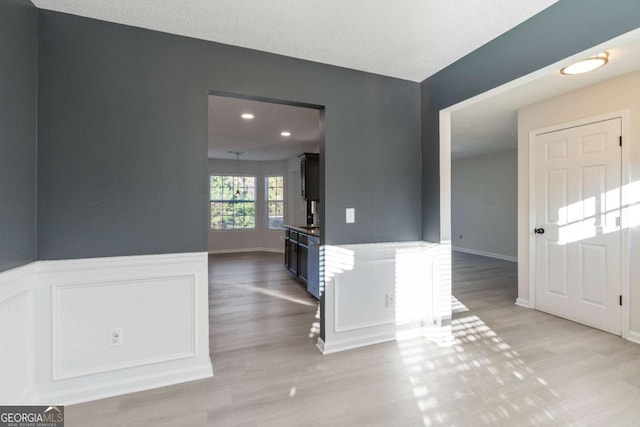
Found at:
(507, 365)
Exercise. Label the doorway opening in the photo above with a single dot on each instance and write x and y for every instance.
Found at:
(256, 149)
(502, 118)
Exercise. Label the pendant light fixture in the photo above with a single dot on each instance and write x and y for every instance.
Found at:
(237, 153)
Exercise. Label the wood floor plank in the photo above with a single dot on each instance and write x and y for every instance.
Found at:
(507, 365)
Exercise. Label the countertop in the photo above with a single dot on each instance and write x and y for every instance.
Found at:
(315, 232)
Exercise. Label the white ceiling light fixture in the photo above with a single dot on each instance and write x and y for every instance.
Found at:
(285, 133)
(586, 65)
(247, 116)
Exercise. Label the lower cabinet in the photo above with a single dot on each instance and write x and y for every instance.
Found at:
(302, 258)
(291, 256)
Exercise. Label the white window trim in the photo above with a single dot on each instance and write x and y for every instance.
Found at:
(255, 201)
(266, 200)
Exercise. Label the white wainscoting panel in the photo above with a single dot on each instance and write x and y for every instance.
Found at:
(155, 316)
(371, 284)
(17, 336)
(383, 291)
(159, 302)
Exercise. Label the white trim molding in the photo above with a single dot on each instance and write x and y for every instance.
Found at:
(59, 308)
(633, 336)
(522, 302)
(485, 254)
(17, 329)
(159, 303)
(382, 292)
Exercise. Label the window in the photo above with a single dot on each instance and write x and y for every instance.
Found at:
(233, 202)
(275, 201)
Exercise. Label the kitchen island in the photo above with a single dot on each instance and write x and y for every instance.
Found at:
(302, 256)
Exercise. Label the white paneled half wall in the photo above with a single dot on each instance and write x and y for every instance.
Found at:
(80, 330)
(385, 291)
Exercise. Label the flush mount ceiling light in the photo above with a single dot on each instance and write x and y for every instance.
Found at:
(247, 116)
(285, 133)
(586, 65)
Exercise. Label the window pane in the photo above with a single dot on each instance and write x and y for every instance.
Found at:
(227, 188)
(230, 210)
(275, 205)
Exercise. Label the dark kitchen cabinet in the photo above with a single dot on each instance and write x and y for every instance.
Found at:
(287, 253)
(291, 252)
(310, 176)
(301, 259)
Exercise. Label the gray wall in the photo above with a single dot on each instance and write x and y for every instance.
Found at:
(484, 203)
(18, 97)
(123, 139)
(566, 28)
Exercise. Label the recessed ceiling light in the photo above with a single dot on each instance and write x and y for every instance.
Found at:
(247, 116)
(285, 133)
(586, 65)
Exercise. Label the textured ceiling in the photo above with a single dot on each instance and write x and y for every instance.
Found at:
(259, 138)
(409, 39)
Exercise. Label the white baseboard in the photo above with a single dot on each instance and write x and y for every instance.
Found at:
(486, 254)
(243, 250)
(633, 337)
(128, 384)
(361, 341)
(523, 302)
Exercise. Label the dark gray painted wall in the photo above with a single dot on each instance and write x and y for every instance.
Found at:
(123, 139)
(566, 28)
(18, 97)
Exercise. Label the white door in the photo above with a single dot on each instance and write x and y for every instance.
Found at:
(577, 213)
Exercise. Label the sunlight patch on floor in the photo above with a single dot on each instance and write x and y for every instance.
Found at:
(487, 377)
(276, 294)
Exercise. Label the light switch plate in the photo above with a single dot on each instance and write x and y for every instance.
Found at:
(351, 215)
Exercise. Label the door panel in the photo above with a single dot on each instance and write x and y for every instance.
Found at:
(556, 197)
(577, 203)
(593, 264)
(556, 268)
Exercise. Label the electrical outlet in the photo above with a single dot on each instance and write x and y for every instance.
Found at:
(351, 215)
(389, 300)
(461, 236)
(115, 337)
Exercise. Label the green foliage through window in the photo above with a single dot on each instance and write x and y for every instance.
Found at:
(275, 201)
(233, 202)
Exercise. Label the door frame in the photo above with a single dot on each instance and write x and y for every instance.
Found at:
(625, 259)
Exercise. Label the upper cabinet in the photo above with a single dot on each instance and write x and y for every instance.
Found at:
(310, 175)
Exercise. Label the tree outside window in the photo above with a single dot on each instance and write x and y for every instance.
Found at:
(275, 201)
(233, 202)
